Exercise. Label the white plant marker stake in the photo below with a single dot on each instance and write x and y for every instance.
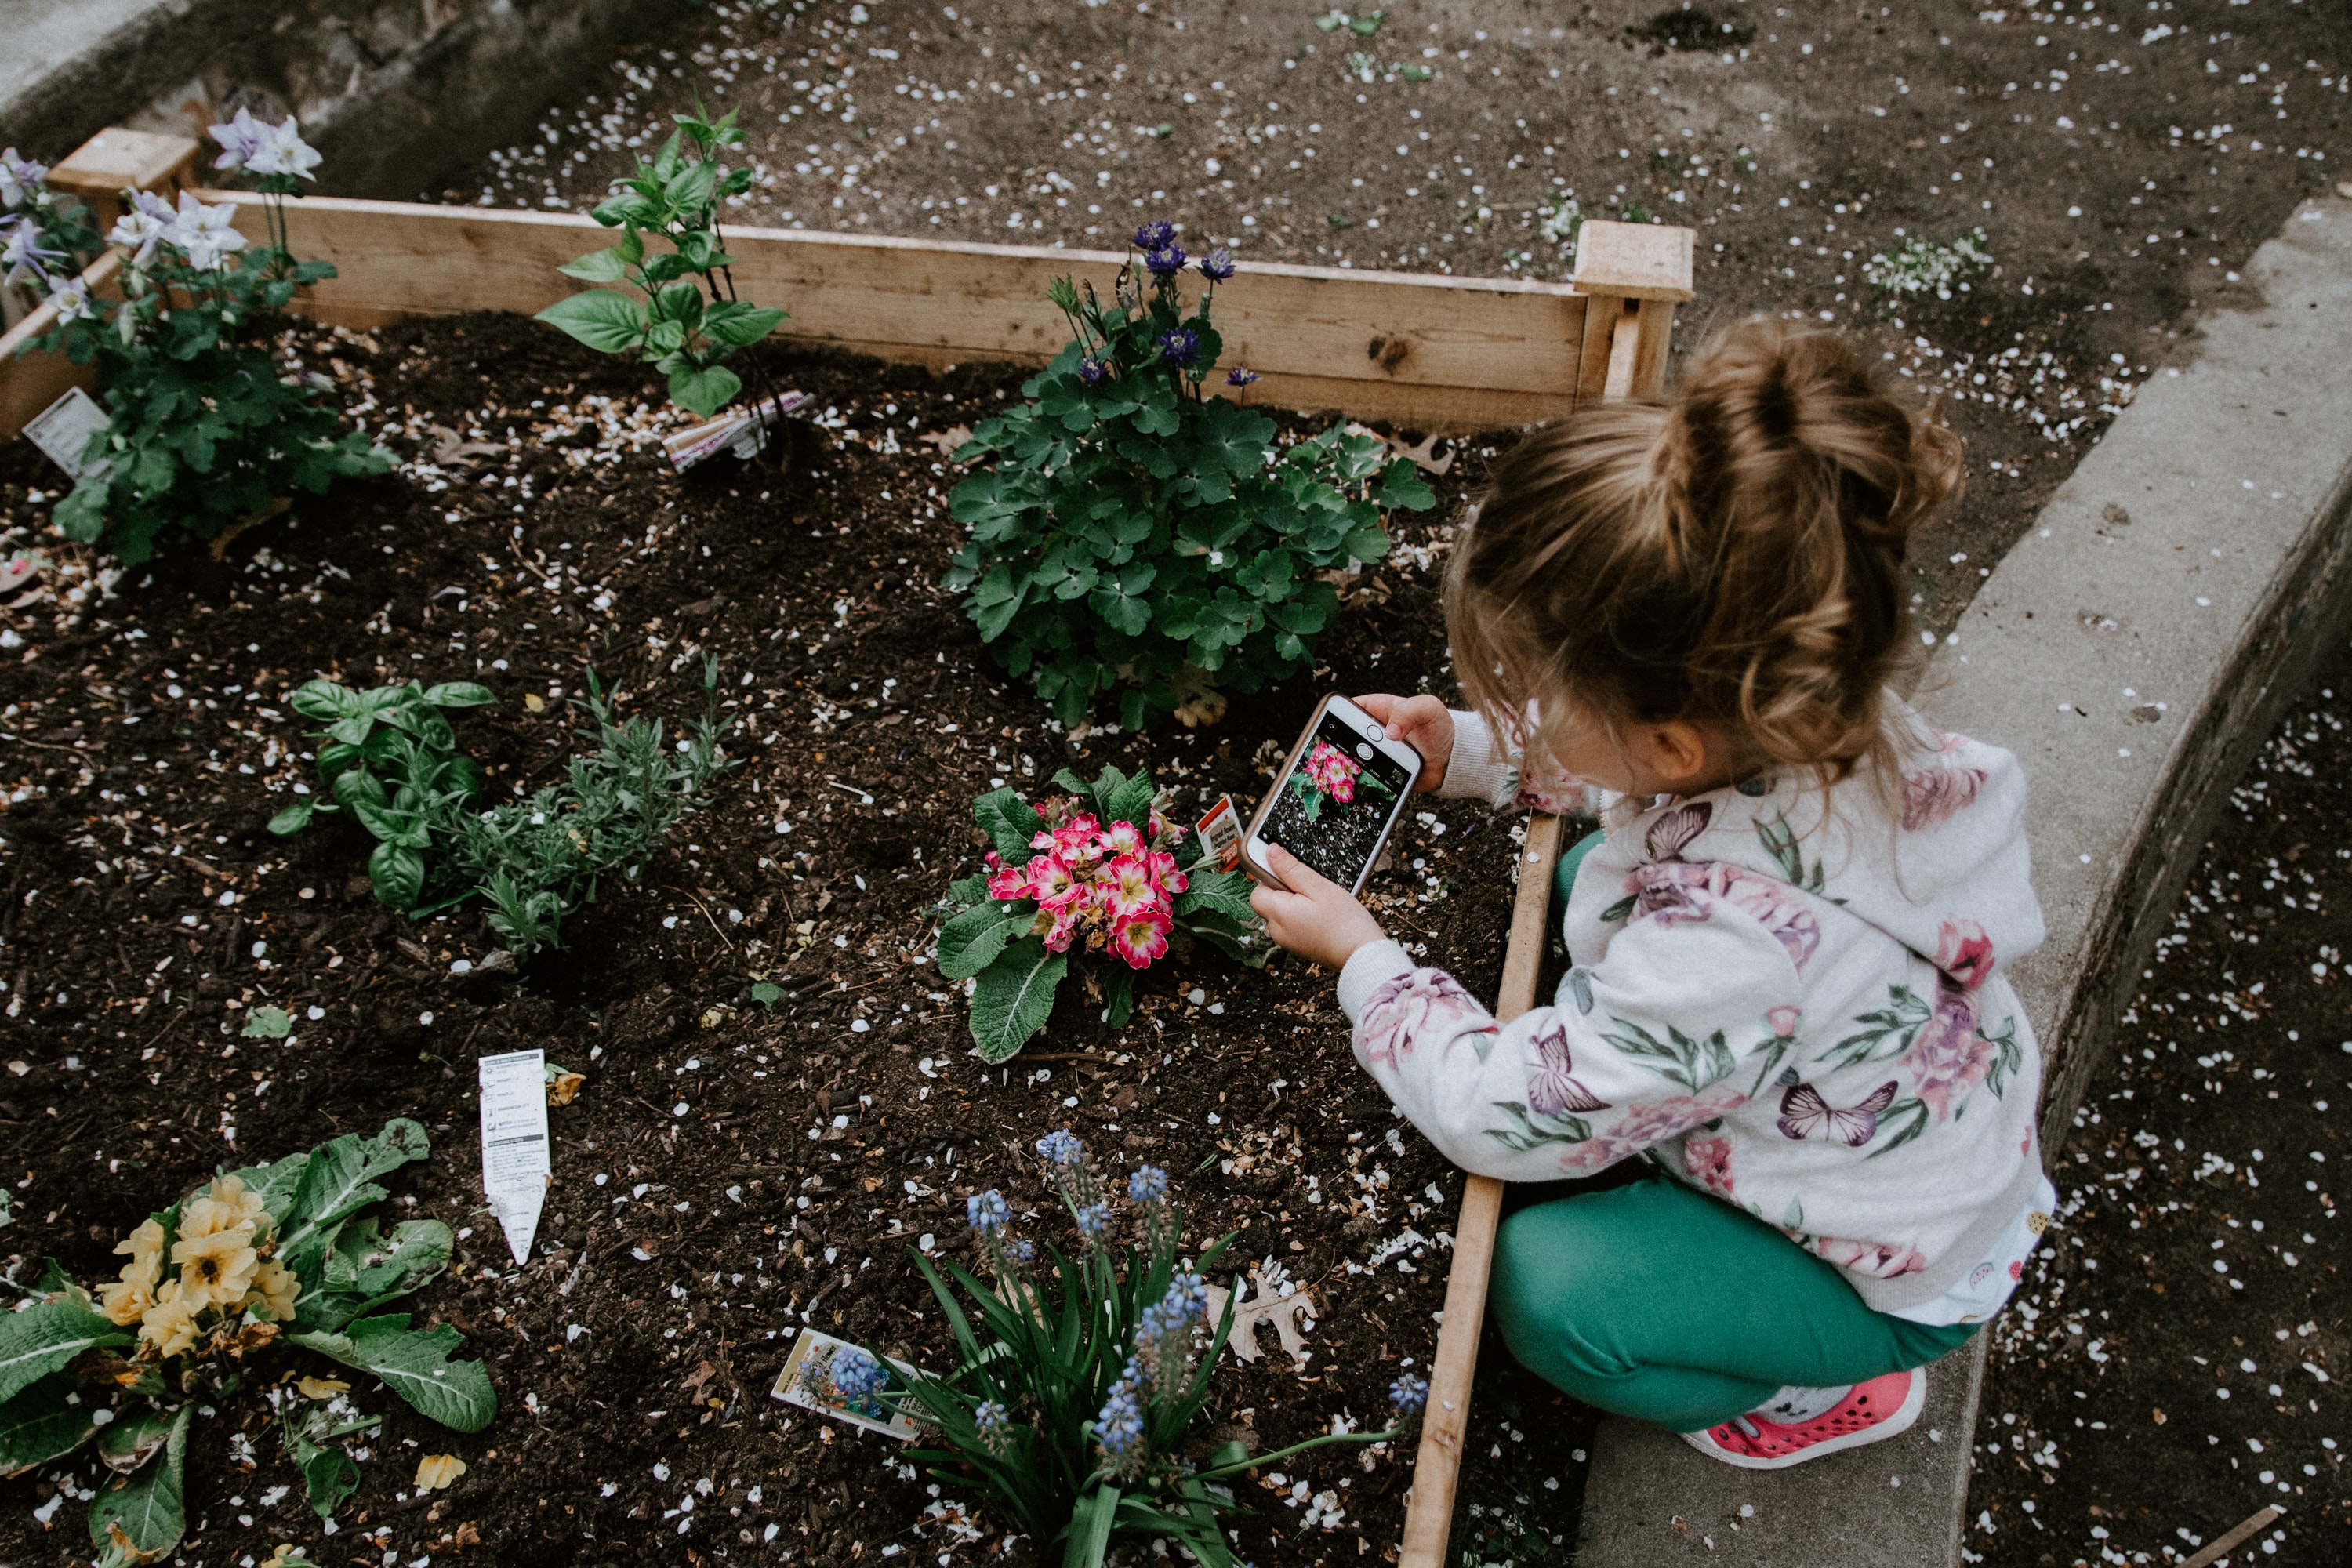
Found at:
(515, 1158)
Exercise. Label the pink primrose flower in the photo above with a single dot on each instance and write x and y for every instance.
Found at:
(1006, 883)
(1142, 937)
(1127, 887)
(1123, 839)
(1079, 840)
(1059, 927)
(1163, 871)
(1333, 771)
(1053, 883)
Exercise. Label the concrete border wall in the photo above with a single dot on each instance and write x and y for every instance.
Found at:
(397, 94)
(2133, 650)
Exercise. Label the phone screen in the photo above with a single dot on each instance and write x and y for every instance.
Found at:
(1336, 802)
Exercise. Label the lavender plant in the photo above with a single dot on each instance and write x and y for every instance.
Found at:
(1135, 536)
(675, 195)
(207, 427)
(1081, 1383)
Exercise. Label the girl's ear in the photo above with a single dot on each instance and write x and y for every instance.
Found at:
(1679, 754)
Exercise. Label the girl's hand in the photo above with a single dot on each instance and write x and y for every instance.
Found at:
(1426, 724)
(1318, 919)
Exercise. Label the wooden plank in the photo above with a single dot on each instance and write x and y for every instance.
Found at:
(1624, 352)
(1599, 332)
(115, 159)
(1654, 336)
(1441, 353)
(31, 383)
(1429, 1517)
(1635, 260)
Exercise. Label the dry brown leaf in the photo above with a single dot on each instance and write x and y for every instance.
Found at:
(563, 1085)
(436, 1471)
(947, 440)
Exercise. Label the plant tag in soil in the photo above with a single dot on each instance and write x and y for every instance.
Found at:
(742, 434)
(813, 1349)
(515, 1162)
(1221, 835)
(63, 429)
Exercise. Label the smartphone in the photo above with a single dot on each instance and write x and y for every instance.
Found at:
(1338, 797)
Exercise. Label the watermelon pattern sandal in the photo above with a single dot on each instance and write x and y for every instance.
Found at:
(1882, 1407)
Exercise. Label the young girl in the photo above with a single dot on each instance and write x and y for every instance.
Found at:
(1786, 943)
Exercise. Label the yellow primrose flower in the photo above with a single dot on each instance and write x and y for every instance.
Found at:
(274, 1289)
(169, 1324)
(434, 1471)
(145, 1247)
(125, 1301)
(227, 1206)
(216, 1269)
(322, 1388)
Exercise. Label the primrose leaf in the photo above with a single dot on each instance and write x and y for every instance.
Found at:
(47, 1335)
(39, 1425)
(1010, 822)
(144, 1516)
(1013, 996)
(415, 1365)
(135, 1437)
(1222, 892)
(340, 1177)
(970, 941)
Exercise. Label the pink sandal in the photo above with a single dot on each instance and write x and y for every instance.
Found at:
(1882, 1407)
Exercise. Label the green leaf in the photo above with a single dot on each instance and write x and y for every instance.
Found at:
(607, 322)
(994, 602)
(268, 1024)
(1130, 801)
(610, 266)
(382, 1266)
(135, 1437)
(145, 1515)
(459, 694)
(314, 1442)
(767, 993)
(1010, 822)
(1223, 893)
(1402, 488)
(970, 941)
(39, 1425)
(1368, 543)
(415, 1365)
(738, 324)
(340, 1178)
(321, 700)
(398, 873)
(294, 818)
(706, 391)
(1013, 996)
(45, 1336)
(1090, 1523)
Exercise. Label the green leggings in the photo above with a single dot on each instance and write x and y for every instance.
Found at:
(1653, 1299)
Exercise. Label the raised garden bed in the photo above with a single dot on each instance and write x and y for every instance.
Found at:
(820, 590)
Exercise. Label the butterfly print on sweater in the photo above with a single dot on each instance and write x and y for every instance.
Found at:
(1804, 1111)
(1673, 833)
(1551, 1091)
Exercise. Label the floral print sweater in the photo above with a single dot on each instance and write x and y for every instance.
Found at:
(1794, 1005)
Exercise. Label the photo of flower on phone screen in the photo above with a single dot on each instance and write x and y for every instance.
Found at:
(1335, 803)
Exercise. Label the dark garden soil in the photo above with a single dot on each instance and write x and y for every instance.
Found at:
(2178, 1359)
(2123, 163)
(728, 1170)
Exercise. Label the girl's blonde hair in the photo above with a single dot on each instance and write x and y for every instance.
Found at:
(1731, 554)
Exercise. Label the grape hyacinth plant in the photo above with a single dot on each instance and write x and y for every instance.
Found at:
(253, 1261)
(677, 194)
(208, 430)
(1092, 873)
(1139, 538)
(1081, 1383)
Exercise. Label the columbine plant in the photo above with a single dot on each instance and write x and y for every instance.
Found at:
(44, 238)
(1092, 872)
(1081, 1384)
(675, 195)
(206, 428)
(1137, 537)
(273, 1255)
(392, 762)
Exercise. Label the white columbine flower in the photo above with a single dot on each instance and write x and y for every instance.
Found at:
(72, 301)
(239, 140)
(24, 256)
(205, 234)
(19, 178)
(282, 151)
(139, 231)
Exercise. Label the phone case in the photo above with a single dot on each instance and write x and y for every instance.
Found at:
(1281, 776)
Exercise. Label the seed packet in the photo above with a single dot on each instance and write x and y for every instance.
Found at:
(741, 433)
(803, 1382)
(1221, 835)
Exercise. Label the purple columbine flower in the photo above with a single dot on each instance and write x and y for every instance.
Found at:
(1218, 265)
(1181, 348)
(26, 258)
(1240, 376)
(239, 140)
(1092, 370)
(1165, 263)
(1150, 236)
(20, 178)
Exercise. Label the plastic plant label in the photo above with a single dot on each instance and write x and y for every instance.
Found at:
(1221, 835)
(813, 1349)
(515, 1156)
(63, 429)
(741, 434)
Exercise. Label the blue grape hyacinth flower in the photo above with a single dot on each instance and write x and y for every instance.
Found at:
(1410, 1395)
(1061, 1147)
(1147, 1184)
(1119, 1427)
(988, 1212)
(857, 1375)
